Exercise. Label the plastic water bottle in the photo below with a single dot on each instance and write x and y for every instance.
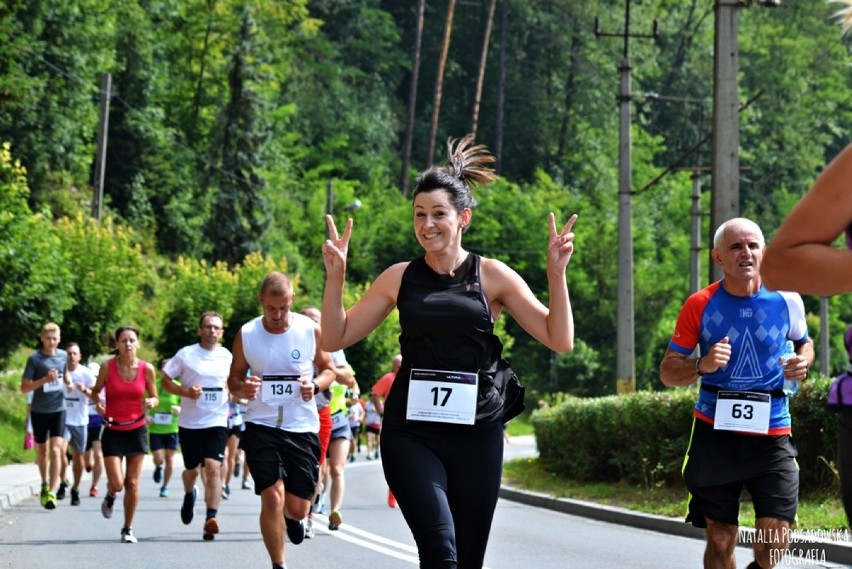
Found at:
(790, 387)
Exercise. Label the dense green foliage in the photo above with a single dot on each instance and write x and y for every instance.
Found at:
(235, 125)
(641, 438)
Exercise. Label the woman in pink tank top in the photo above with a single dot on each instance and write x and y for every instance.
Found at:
(132, 389)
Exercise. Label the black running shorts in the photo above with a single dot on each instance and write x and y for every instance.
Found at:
(720, 464)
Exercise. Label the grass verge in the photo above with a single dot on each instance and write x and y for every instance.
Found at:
(822, 511)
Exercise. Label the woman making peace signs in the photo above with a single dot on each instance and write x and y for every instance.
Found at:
(442, 459)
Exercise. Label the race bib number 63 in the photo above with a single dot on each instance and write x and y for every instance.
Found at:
(744, 411)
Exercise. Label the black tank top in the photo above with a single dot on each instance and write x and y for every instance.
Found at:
(446, 324)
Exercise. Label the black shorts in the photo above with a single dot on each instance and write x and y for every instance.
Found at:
(197, 445)
(47, 425)
(125, 443)
(159, 441)
(720, 464)
(94, 434)
(273, 454)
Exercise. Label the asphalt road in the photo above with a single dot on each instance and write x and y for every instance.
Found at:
(373, 536)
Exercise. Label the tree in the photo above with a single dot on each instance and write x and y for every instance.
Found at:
(480, 77)
(36, 285)
(150, 175)
(238, 218)
(195, 287)
(412, 98)
(108, 279)
(52, 119)
(439, 81)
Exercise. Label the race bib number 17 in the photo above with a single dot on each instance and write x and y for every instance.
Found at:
(442, 396)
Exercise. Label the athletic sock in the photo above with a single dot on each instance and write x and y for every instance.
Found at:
(211, 513)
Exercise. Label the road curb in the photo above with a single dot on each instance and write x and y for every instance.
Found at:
(16, 494)
(804, 545)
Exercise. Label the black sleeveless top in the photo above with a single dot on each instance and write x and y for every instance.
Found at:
(446, 324)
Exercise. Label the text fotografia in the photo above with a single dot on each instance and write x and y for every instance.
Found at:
(796, 556)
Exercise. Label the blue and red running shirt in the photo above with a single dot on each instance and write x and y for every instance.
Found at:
(757, 326)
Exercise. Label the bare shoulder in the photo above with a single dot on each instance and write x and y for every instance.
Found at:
(497, 275)
(396, 270)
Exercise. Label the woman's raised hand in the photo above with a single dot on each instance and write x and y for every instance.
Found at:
(335, 248)
(561, 244)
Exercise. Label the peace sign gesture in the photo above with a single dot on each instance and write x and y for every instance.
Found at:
(335, 248)
(561, 245)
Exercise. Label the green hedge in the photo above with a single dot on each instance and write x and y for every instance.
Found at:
(641, 438)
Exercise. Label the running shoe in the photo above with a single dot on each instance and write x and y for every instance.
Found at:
(127, 535)
(93, 492)
(309, 526)
(45, 490)
(63, 487)
(226, 492)
(237, 470)
(158, 474)
(246, 485)
(187, 511)
(211, 528)
(107, 506)
(295, 530)
(334, 520)
(50, 503)
(75, 497)
(391, 499)
(89, 467)
(164, 492)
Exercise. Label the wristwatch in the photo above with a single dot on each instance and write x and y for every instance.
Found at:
(316, 386)
(698, 366)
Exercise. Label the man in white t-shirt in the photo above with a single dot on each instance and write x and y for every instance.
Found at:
(281, 438)
(202, 427)
(76, 420)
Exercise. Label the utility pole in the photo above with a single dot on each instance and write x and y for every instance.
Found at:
(100, 159)
(625, 338)
(725, 194)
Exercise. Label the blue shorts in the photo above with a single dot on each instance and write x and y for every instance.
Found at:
(159, 441)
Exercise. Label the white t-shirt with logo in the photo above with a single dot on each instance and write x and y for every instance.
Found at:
(281, 360)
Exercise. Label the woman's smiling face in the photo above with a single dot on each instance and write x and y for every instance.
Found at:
(437, 224)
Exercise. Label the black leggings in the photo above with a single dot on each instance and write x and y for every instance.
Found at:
(446, 479)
